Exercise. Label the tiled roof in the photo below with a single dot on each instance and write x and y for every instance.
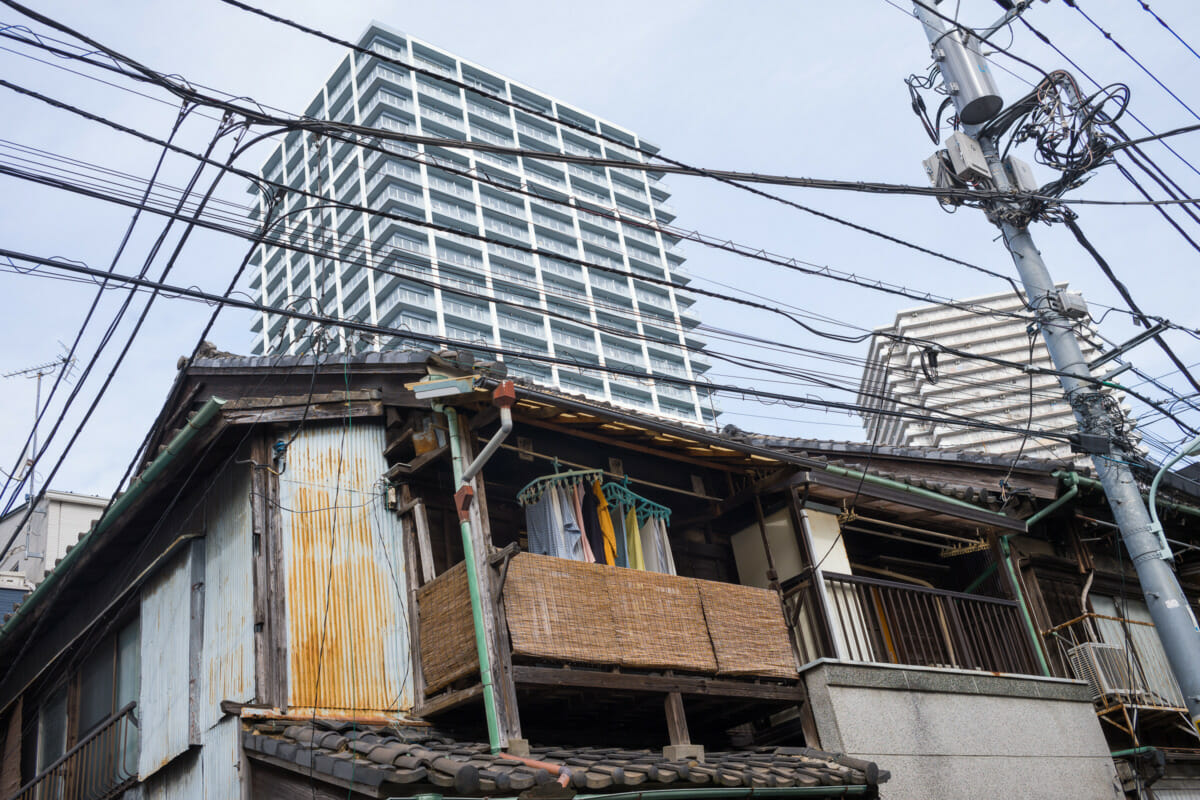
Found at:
(412, 760)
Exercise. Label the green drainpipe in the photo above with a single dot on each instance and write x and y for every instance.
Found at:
(904, 487)
(1092, 483)
(983, 577)
(724, 793)
(1033, 634)
(485, 664)
(137, 488)
(1072, 481)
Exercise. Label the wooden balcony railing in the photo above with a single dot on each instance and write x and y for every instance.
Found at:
(1121, 659)
(894, 623)
(99, 767)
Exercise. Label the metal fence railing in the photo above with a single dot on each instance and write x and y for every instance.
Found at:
(99, 767)
(893, 623)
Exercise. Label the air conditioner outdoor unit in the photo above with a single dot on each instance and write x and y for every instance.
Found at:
(1105, 667)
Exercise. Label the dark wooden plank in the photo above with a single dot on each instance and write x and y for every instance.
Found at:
(271, 415)
(276, 597)
(196, 642)
(408, 468)
(447, 700)
(264, 667)
(613, 441)
(414, 612)
(635, 682)
(280, 401)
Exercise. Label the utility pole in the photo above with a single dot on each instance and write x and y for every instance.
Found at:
(977, 101)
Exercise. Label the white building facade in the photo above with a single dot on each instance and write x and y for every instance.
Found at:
(896, 379)
(565, 261)
(57, 522)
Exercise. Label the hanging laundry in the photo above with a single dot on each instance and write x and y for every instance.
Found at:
(617, 514)
(543, 523)
(577, 498)
(591, 524)
(607, 534)
(573, 542)
(634, 540)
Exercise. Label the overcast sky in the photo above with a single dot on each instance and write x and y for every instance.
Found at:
(807, 89)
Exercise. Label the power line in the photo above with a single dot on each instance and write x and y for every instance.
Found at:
(297, 248)
(1075, 5)
(1146, 7)
(375, 329)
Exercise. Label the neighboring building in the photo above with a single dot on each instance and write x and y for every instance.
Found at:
(280, 607)
(58, 522)
(970, 388)
(522, 289)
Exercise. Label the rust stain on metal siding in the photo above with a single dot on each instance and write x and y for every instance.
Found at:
(347, 634)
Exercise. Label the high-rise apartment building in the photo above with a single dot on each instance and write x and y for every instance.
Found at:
(906, 377)
(516, 252)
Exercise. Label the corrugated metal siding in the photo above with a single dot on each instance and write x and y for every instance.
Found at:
(228, 656)
(213, 772)
(163, 699)
(344, 564)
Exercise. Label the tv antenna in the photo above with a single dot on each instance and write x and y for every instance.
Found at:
(66, 363)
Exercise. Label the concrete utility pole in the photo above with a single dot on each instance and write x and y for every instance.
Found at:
(977, 101)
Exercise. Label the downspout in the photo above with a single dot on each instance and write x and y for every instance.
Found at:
(137, 487)
(504, 396)
(1016, 584)
(1072, 481)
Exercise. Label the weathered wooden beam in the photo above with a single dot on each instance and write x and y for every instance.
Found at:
(445, 701)
(614, 441)
(635, 682)
(409, 527)
(271, 415)
(677, 727)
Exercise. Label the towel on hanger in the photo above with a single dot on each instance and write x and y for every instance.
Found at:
(607, 533)
(576, 493)
(633, 538)
(591, 524)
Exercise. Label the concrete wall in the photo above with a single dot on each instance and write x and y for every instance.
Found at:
(955, 734)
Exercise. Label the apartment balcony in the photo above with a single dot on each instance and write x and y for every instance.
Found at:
(883, 622)
(568, 624)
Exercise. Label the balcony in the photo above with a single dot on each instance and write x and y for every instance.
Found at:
(883, 622)
(637, 631)
(100, 766)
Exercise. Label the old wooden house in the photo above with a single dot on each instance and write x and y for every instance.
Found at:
(400, 574)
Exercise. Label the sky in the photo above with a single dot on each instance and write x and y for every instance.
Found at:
(804, 89)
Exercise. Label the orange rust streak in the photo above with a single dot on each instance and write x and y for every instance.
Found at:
(337, 591)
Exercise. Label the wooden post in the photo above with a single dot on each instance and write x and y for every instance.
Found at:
(681, 747)
(677, 728)
(414, 609)
(196, 560)
(497, 639)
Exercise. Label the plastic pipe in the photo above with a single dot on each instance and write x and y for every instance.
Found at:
(1016, 583)
(485, 662)
(904, 487)
(1061, 501)
(506, 426)
(1092, 483)
(504, 396)
(137, 487)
